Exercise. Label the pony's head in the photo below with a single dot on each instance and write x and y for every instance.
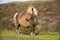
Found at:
(32, 10)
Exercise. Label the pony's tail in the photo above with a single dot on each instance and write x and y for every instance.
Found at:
(15, 19)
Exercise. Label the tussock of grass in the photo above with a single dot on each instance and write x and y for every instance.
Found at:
(11, 35)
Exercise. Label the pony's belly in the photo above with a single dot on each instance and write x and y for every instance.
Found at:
(24, 23)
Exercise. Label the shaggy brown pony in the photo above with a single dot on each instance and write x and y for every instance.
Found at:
(25, 19)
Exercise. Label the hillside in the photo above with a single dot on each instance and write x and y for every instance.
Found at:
(48, 18)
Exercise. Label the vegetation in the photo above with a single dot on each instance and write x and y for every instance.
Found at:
(10, 35)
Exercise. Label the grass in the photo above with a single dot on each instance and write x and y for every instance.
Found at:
(11, 35)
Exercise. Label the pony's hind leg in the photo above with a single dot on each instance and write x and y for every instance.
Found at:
(17, 29)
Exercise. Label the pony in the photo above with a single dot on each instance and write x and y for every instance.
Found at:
(25, 19)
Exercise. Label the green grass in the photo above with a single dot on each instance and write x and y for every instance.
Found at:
(11, 35)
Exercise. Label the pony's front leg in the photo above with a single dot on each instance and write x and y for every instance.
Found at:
(32, 31)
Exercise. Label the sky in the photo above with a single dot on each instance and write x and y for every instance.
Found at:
(6, 1)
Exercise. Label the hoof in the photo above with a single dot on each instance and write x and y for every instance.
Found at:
(32, 34)
(17, 33)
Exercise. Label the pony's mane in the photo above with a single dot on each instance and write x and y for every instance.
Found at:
(29, 10)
